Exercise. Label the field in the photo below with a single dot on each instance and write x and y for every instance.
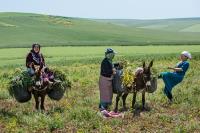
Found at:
(88, 54)
(76, 46)
(78, 110)
(22, 29)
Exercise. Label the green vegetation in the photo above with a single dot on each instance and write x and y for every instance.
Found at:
(22, 29)
(87, 55)
(86, 40)
(78, 110)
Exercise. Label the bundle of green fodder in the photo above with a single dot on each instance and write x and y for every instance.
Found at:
(124, 77)
(59, 87)
(129, 76)
(19, 85)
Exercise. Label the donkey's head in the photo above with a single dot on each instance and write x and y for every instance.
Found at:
(147, 73)
(38, 83)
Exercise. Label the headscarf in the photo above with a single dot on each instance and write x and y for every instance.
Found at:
(36, 56)
(110, 54)
(33, 46)
(187, 54)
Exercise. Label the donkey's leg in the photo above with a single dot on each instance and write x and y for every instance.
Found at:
(124, 101)
(42, 101)
(36, 100)
(134, 99)
(143, 100)
(117, 101)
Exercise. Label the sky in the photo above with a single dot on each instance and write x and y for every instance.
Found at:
(107, 9)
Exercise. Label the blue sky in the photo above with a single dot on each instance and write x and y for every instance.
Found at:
(121, 9)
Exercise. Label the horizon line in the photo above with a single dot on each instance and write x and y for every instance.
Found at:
(96, 18)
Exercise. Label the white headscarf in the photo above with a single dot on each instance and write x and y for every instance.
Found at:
(187, 54)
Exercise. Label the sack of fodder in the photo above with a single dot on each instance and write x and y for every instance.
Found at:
(153, 86)
(19, 87)
(57, 91)
(59, 87)
(117, 82)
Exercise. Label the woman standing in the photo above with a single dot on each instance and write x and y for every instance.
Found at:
(173, 78)
(105, 80)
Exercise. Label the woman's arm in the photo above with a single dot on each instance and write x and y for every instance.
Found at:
(29, 60)
(176, 69)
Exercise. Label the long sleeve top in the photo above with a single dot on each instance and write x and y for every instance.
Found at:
(35, 59)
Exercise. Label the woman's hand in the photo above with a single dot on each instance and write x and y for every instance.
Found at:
(170, 68)
(114, 71)
(31, 65)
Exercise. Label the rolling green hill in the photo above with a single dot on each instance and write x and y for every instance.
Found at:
(23, 29)
(176, 25)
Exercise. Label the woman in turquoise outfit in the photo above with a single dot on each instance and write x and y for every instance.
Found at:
(173, 78)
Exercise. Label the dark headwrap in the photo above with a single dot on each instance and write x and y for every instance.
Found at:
(36, 56)
(33, 46)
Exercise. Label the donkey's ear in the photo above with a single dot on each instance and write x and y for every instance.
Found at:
(151, 64)
(144, 64)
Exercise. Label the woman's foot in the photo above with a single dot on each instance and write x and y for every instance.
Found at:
(159, 76)
(170, 101)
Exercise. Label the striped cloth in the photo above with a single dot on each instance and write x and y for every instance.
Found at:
(106, 91)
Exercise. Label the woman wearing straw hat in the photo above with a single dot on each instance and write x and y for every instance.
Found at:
(173, 78)
(105, 80)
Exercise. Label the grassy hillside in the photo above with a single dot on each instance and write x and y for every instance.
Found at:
(21, 30)
(175, 25)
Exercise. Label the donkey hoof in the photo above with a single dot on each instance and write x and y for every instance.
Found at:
(145, 109)
(42, 108)
(115, 110)
(124, 109)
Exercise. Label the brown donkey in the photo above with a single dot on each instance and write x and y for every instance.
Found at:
(39, 90)
(140, 83)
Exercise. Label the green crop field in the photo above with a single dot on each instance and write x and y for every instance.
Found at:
(68, 55)
(78, 110)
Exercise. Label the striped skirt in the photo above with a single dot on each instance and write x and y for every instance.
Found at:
(106, 90)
